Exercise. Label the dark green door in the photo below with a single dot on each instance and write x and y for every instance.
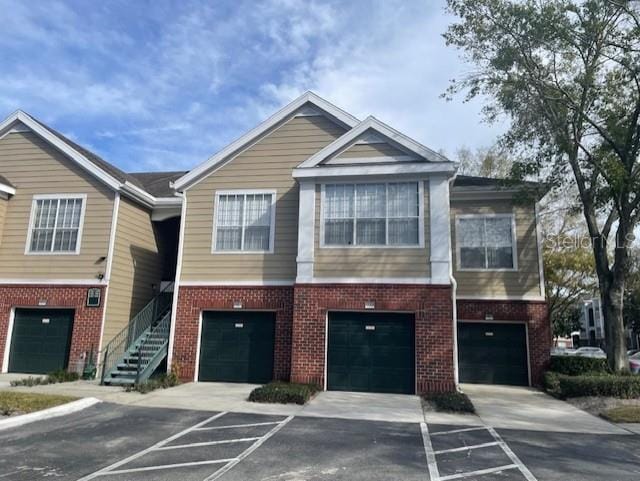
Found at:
(493, 353)
(237, 347)
(371, 352)
(41, 340)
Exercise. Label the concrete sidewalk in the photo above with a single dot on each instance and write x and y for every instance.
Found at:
(508, 407)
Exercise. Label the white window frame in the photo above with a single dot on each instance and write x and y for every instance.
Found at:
(32, 218)
(421, 237)
(514, 243)
(272, 221)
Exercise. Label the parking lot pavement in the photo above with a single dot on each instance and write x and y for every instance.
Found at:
(125, 443)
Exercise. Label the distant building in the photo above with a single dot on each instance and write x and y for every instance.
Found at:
(592, 332)
(591, 323)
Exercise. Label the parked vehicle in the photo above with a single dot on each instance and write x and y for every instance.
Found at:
(634, 363)
(561, 351)
(631, 352)
(590, 352)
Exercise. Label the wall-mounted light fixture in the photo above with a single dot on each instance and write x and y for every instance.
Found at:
(237, 305)
(369, 305)
(488, 316)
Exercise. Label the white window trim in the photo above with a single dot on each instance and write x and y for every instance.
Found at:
(272, 222)
(421, 240)
(36, 198)
(514, 243)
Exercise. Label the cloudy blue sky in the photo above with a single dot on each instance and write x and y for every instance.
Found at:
(162, 85)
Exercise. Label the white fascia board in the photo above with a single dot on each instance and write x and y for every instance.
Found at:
(369, 170)
(65, 148)
(7, 189)
(380, 128)
(309, 97)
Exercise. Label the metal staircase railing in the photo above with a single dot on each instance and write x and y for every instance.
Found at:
(117, 348)
(153, 349)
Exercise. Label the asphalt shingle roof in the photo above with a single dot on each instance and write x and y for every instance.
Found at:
(5, 181)
(157, 183)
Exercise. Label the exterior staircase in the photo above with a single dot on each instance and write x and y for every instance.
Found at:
(137, 351)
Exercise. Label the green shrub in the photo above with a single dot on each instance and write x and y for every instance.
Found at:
(163, 381)
(577, 365)
(283, 393)
(617, 386)
(551, 383)
(454, 401)
(51, 378)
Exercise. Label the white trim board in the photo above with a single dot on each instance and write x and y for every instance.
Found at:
(57, 282)
(382, 129)
(250, 282)
(338, 114)
(176, 285)
(7, 189)
(7, 345)
(412, 169)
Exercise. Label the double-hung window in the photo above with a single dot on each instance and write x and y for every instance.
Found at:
(486, 242)
(56, 224)
(244, 222)
(374, 214)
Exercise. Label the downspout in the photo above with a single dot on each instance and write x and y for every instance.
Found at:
(454, 294)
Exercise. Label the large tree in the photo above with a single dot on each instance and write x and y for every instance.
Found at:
(567, 75)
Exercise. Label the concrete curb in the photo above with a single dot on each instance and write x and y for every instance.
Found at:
(54, 412)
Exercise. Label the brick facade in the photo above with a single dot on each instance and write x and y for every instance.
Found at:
(193, 300)
(431, 305)
(87, 320)
(534, 313)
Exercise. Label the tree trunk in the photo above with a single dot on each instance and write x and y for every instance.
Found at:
(615, 338)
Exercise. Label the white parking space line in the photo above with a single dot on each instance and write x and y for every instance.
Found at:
(115, 465)
(249, 450)
(507, 450)
(433, 464)
(206, 443)
(434, 475)
(168, 466)
(454, 431)
(233, 426)
(467, 448)
(479, 472)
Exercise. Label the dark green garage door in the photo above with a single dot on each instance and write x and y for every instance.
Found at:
(237, 347)
(371, 352)
(492, 353)
(40, 340)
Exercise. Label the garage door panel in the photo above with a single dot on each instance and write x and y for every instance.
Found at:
(493, 353)
(371, 352)
(237, 347)
(40, 340)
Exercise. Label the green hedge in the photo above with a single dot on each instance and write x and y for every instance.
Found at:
(577, 365)
(617, 386)
(454, 401)
(283, 393)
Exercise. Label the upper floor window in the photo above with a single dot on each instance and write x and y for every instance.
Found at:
(244, 221)
(55, 225)
(486, 242)
(384, 214)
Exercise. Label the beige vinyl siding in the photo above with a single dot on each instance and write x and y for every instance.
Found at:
(34, 167)
(266, 165)
(525, 282)
(137, 266)
(370, 150)
(3, 212)
(360, 262)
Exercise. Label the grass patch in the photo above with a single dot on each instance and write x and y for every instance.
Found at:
(451, 402)
(283, 393)
(22, 402)
(51, 378)
(623, 414)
